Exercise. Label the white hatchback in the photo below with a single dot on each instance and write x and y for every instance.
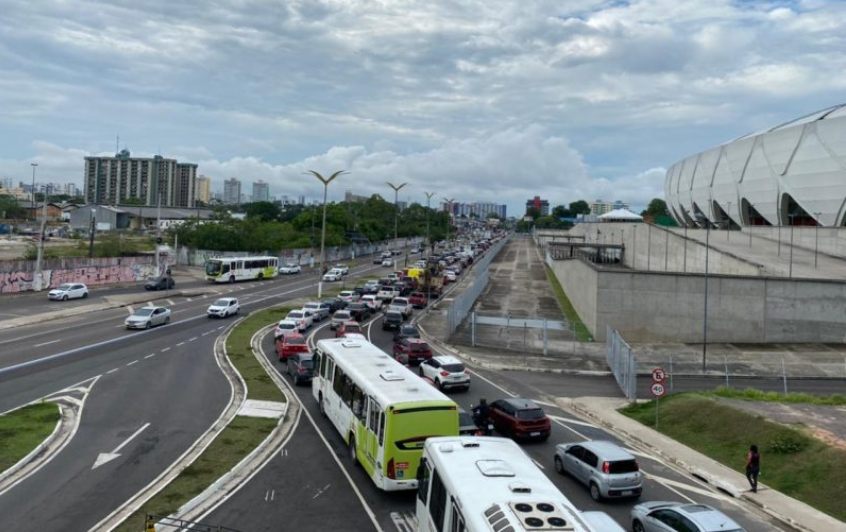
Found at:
(223, 307)
(286, 328)
(303, 319)
(446, 372)
(68, 291)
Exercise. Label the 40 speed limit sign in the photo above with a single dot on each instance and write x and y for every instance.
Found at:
(658, 389)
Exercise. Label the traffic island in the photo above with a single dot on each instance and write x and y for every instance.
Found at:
(23, 430)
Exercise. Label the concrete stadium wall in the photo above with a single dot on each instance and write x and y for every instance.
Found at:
(658, 306)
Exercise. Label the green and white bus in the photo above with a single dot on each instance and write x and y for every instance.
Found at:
(383, 411)
(231, 269)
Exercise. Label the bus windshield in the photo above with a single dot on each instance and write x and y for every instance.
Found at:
(213, 267)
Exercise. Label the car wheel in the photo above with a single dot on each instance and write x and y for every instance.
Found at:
(231, 279)
(84, 295)
(296, 380)
(260, 276)
(148, 325)
(559, 465)
(353, 458)
(419, 369)
(637, 526)
(65, 297)
(167, 320)
(594, 492)
(439, 384)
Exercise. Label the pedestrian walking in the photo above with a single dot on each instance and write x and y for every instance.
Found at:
(753, 467)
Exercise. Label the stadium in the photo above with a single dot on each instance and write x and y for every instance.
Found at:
(790, 174)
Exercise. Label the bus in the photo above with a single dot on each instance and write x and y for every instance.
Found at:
(382, 410)
(475, 484)
(231, 269)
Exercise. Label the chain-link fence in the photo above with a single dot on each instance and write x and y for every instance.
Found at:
(537, 335)
(621, 361)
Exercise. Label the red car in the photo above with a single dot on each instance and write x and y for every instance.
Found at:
(348, 327)
(289, 345)
(520, 419)
(418, 300)
(412, 351)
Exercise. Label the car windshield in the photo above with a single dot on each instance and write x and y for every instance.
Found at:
(307, 363)
(342, 315)
(400, 301)
(394, 316)
(299, 340)
(289, 265)
(419, 346)
(465, 418)
(623, 466)
(352, 329)
(286, 325)
(65, 287)
(143, 312)
(453, 368)
(530, 414)
(410, 331)
(295, 314)
(312, 306)
(213, 267)
(221, 303)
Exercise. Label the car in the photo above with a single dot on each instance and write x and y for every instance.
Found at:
(164, 282)
(447, 372)
(386, 255)
(418, 300)
(520, 419)
(146, 317)
(377, 260)
(359, 311)
(402, 289)
(412, 351)
(393, 277)
(449, 276)
(388, 263)
(343, 268)
(372, 303)
(386, 294)
(392, 320)
(338, 318)
(302, 320)
(319, 311)
(466, 425)
(66, 291)
(289, 345)
(290, 269)
(334, 303)
(406, 331)
(662, 516)
(286, 327)
(608, 470)
(401, 305)
(332, 276)
(300, 367)
(348, 296)
(223, 307)
(347, 328)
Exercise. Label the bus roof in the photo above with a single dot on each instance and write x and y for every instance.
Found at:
(494, 479)
(378, 374)
(251, 257)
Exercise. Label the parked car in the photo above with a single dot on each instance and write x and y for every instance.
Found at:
(359, 311)
(418, 300)
(290, 345)
(68, 291)
(412, 351)
(332, 276)
(302, 320)
(286, 327)
(164, 282)
(348, 296)
(300, 367)
(338, 318)
(608, 470)
(392, 320)
(401, 305)
(289, 269)
(378, 260)
(147, 317)
(343, 268)
(447, 372)
(406, 331)
(347, 328)
(658, 516)
(386, 254)
(319, 311)
(520, 418)
(223, 307)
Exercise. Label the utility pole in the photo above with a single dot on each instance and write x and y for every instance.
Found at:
(428, 236)
(396, 189)
(37, 281)
(32, 190)
(449, 216)
(91, 233)
(325, 181)
(705, 310)
(816, 237)
(158, 231)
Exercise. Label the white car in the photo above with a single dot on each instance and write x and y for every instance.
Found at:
(450, 276)
(147, 317)
(446, 372)
(388, 262)
(302, 319)
(286, 327)
(317, 310)
(332, 275)
(343, 268)
(289, 269)
(348, 296)
(371, 302)
(401, 305)
(223, 307)
(68, 291)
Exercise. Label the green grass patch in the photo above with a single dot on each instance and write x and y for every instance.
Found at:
(792, 462)
(259, 384)
(751, 394)
(582, 332)
(22, 430)
(237, 440)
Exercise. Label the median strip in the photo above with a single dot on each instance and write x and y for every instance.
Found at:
(22, 430)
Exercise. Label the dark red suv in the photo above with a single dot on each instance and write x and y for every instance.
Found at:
(418, 300)
(412, 351)
(520, 419)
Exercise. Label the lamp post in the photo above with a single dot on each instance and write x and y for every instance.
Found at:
(705, 298)
(325, 181)
(396, 189)
(449, 215)
(816, 237)
(790, 217)
(428, 237)
(91, 232)
(32, 190)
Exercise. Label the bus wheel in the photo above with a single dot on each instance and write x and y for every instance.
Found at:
(353, 458)
(231, 278)
(260, 276)
(320, 405)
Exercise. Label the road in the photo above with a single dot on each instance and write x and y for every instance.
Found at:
(394, 511)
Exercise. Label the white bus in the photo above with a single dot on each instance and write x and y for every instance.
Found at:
(231, 269)
(383, 411)
(476, 484)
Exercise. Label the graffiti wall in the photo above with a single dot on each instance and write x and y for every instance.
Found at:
(124, 270)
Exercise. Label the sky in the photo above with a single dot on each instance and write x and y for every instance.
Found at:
(477, 100)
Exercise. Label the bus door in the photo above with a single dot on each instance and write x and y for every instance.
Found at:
(371, 439)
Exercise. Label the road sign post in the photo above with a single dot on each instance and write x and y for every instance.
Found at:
(657, 388)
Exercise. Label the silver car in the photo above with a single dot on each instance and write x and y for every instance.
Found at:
(608, 470)
(147, 317)
(319, 311)
(660, 516)
(339, 317)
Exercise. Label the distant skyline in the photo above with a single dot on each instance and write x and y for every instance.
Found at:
(488, 101)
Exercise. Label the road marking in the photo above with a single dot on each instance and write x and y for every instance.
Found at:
(269, 495)
(207, 332)
(133, 362)
(46, 343)
(180, 343)
(151, 355)
(669, 484)
(321, 491)
(104, 458)
(538, 464)
(192, 338)
(170, 302)
(112, 370)
(188, 299)
(404, 521)
(165, 349)
(221, 327)
(570, 420)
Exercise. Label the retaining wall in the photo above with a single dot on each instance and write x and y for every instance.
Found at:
(17, 276)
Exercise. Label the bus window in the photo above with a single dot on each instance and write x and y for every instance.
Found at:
(330, 367)
(456, 521)
(372, 415)
(423, 474)
(381, 429)
(338, 382)
(357, 402)
(437, 501)
(225, 268)
(347, 391)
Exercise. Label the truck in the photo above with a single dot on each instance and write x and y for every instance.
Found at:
(432, 284)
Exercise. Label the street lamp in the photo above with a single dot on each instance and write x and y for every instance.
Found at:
(707, 223)
(449, 215)
(790, 267)
(428, 237)
(91, 233)
(32, 190)
(325, 181)
(396, 205)
(816, 237)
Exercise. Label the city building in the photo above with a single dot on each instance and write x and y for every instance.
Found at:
(232, 191)
(541, 205)
(128, 217)
(18, 193)
(70, 189)
(113, 180)
(301, 200)
(600, 207)
(349, 197)
(261, 191)
(479, 210)
(790, 174)
(203, 194)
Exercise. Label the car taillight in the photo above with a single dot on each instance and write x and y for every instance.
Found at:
(391, 470)
(606, 467)
(444, 373)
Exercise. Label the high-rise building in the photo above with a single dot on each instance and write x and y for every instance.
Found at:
(70, 189)
(541, 205)
(203, 189)
(600, 207)
(301, 200)
(232, 191)
(261, 191)
(113, 180)
(349, 197)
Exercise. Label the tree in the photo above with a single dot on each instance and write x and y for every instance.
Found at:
(533, 212)
(9, 208)
(264, 211)
(560, 211)
(657, 207)
(579, 207)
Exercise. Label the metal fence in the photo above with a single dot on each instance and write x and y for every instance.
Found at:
(461, 305)
(516, 333)
(163, 523)
(621, 361)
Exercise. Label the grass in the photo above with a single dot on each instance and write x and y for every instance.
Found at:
(751, 394)
(582, 333)
(24, 429)
(792, 462)
(237, 440)
(259, 384)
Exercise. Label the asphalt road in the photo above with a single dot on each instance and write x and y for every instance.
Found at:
(394, 511)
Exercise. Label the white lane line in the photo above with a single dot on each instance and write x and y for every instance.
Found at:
(180, 343)
(571, 420)
(170, 302)
(47, 343)
(538, 464)
(151, 355)
(133, 362)
(188, 299)
(192, 338)
(165, 349)
(673, 484)
(112, 370)
(221, 327)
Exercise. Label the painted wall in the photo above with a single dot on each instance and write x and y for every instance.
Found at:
(17, 276)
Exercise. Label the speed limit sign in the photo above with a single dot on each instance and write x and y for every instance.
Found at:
(658, 375)
(658, 389)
